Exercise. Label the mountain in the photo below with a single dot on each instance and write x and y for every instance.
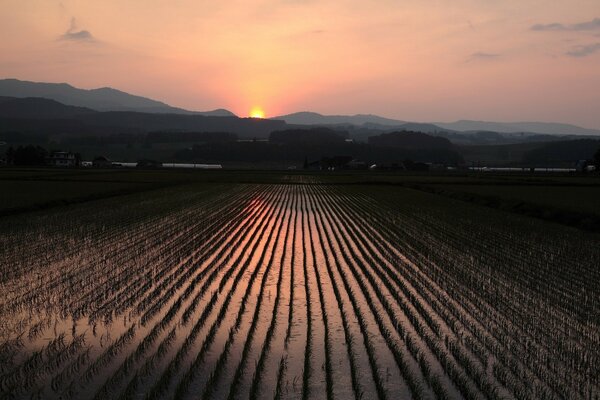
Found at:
(103, 99)
(38, 108)
(119, 122)
(410, 140)
(467, 126)
(39, 116)
(312, 118)
(311, 136)
(563, 152)
(514, 127)
(409, 126)
(135, 122)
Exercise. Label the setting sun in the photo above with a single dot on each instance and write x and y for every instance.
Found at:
(257, 112)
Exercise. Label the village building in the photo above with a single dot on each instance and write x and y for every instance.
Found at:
(101, 162)
(63, 159)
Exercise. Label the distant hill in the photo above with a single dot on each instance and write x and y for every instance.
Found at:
(312, 118)
(410, 140)
(513, 127)
(313, 136)
(409, 126)
(103, 99)
(38, 116)
(563, 152)
(112, 122)
(414, 146)
(135, 122)
(38, 108)
(294, 146)
(467, 126)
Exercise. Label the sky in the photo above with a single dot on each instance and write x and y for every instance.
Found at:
(415, 60)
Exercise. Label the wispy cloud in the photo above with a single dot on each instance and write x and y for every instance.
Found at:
(480, 55)
(584, 51)
(555, 26)
(77, 35)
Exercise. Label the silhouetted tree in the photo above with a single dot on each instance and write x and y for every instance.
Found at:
(10, 156)
(30, 155)
(312, 136)
(597, 159)
(145, 163)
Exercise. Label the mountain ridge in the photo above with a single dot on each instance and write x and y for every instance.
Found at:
(554, 128)
(38, 108)
(110, 99)
(366, 120)
(313, 118)
(33, 115)
(99, 99)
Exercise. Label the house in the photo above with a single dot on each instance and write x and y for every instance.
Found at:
(335, 162)
(145, 163)
(101, 162)
(63, 159)
(356, 164)
(585, 166)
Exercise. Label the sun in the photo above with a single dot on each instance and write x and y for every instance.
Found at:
(257, 112)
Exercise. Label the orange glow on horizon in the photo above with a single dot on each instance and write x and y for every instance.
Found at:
(257, 112)
(501, 61)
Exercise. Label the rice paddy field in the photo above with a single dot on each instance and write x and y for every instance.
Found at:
(295, 289)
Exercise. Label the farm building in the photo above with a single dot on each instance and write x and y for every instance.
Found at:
(101, 162)
(63, 159)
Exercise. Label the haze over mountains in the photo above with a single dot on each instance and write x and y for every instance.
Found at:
(185, 136)
(513, 127)
(102, 99)
(38, 108)
(41, 116)
(369, 120)
(313, 118)
(112, 100)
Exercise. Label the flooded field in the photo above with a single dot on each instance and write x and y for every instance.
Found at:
(296, 291)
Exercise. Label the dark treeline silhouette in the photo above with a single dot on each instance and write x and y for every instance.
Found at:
(150, 138)
(102, 140)
(197, 137)
(410, 140)
(556, 152)
(38, 108)
(293, 146)
(315, 144)
(312, 136)
(128, 136)
(49, 117)
(26, 155)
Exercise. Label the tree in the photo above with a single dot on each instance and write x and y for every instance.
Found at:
(30, 155)
(10, 155)
(597, 159)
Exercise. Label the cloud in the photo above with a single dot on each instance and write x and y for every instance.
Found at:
(582, 26)
(480, 55)
(73, 34)
(548, 27)
(584, 51)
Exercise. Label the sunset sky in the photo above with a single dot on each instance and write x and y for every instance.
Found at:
(417, 60)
